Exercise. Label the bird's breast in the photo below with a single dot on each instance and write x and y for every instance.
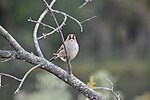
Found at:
(72, 50)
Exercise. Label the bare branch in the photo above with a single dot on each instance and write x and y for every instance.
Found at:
(79, 23)
(10, 39)
(86, 1)
(23, 55)
(65, 14)
(62, 37)
(23, 79)
(88, 19)
(112, 85)
(83, 4)
(8, 59)
(7, 54)
(57, 71)
(36, 30)
(0, 81)
(11, 76)
(44, 25)
(52, 3)
(111, 89)
(63, 23)
(35, 33)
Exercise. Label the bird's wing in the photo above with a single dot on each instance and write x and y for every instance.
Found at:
(61, 48)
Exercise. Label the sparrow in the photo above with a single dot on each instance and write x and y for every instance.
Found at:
(72, 49)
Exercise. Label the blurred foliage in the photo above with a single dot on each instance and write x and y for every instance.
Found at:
(91, 83)
(48, 88)
(145, 96)
(101, 81)
(99, 78)
(118, 41)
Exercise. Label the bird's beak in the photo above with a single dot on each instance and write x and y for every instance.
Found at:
(71, 40)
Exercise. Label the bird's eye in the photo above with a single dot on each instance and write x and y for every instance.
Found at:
(73, 37)
(69, 37)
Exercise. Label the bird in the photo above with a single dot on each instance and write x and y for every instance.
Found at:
(72, 49)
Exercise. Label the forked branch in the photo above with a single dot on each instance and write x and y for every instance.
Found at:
(111, 89)
(24, 77)
(40, 61)
(48, 66)
(62, 36)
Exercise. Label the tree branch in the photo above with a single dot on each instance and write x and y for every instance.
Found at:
(62, 36)
(111, 89)
(7, 54)
(48, 66)
(11, 76)
(23, 79)
(36, 31)
(44, 25)
(10, 40)
(86, 1)
(60, 26)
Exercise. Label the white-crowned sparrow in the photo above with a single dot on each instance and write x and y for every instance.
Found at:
(72, 49)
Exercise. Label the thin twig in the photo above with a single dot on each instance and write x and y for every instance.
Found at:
(74, 82)
(86, 1)
(83, 5)
(52, 3)
(7, 59)
(63, 23)
(7, 75)
(11, 40)
(23, 79)
(0, 81)
(35, 33)
(11, 76)
(65, 14)
(44, 25)
(52, 68)
(12, 57)
(79, 23)
(62, 37)
(112, 85)
(110, 89)
(88, 19)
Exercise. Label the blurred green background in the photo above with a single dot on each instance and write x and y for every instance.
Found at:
(116, 43)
